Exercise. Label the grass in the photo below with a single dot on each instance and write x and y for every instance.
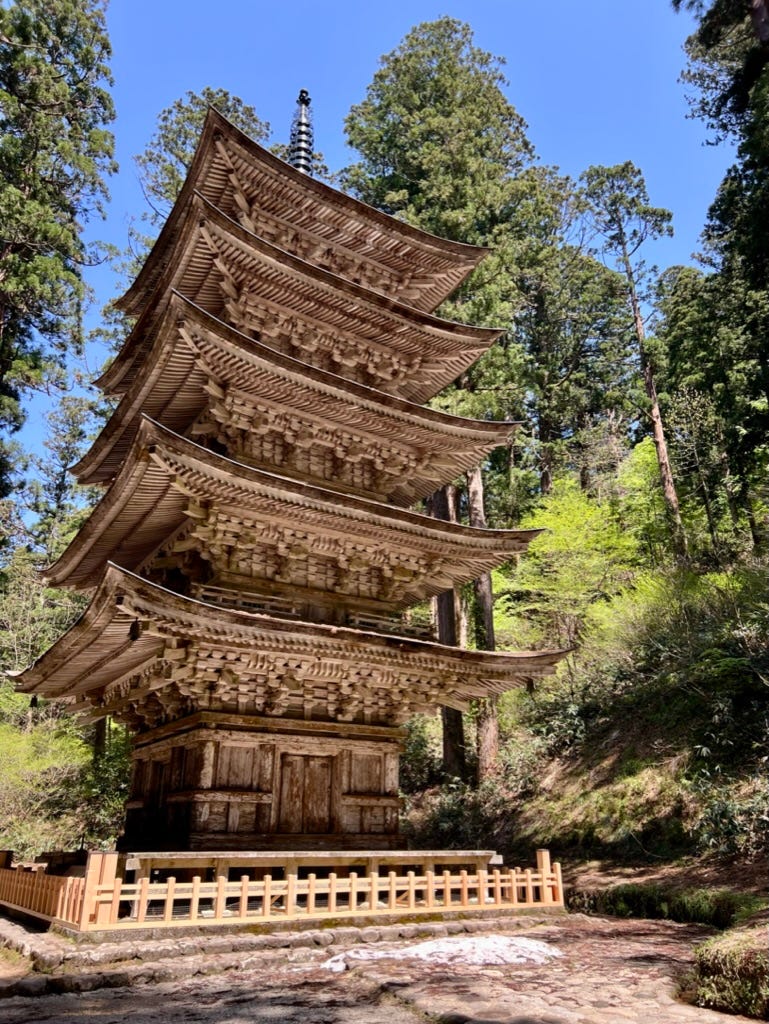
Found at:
(719, 908)
(733, 972)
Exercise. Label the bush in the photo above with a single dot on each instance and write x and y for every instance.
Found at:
(420, 762)
(733, 973)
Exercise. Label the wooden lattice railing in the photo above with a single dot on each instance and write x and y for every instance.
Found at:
(46, 896)
(102, 900)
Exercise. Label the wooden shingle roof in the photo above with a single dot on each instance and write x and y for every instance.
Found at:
(139, 650)
(197, 361)
(310, 219)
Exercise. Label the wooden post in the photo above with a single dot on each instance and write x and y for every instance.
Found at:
(311, 893)
(332, 892)
(463, 888)
(392, 900)
(168, 909)
(529, 887)
(141, 909)
(543, 866)
(114, 912)
(430, 888)
(353, 890)
(483, 887)
(291, 892)
(220, 901)
(374, 883)
(100, 873)
(447, 888)
(558, 884)
(243, 904)
(497, 887)
(412, 896)
(267, 898)
(195, 898)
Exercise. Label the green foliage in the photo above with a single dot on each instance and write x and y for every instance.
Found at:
(719, 908)
(32, 616)
(733, 973)
(55, 152)
(167, 157)
(439, 141)
(39, 768)
(457, 815)
(102, 790)
(641, 504)
(733, 819)
(729, 69)
(420, 763)
(583, 556)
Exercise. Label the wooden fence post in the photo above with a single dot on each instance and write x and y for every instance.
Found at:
(558, 883)
(543, 866)
(100, 872)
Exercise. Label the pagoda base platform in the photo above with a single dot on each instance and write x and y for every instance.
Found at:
(218, 781)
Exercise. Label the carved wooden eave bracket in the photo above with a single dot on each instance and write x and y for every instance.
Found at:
(304, 215)
(197, 362)
(256, 525)
(304, 311)
(146, 655)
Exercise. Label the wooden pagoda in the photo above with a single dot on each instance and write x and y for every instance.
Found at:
(254, 553)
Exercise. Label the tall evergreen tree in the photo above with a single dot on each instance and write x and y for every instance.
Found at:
(164, 163)
(729, 71)
(443, 148)
(624, 220)
(55, 153)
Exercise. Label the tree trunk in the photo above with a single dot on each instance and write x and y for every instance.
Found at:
(707, 504)
(658, 431)
(443, 504)
(99, 739)
(487, 722)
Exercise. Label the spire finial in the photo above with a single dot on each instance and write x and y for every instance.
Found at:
(301, 146)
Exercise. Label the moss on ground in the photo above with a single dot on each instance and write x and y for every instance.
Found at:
(733, 972)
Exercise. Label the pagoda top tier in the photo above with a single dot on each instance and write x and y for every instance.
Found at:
(304, 310)
(306, 217)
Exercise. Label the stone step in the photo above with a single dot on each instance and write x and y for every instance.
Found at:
(59, 966)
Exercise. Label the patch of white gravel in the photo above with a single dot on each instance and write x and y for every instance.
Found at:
(479, 949)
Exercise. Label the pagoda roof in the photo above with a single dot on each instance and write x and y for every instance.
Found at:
(168, 481)
(291, 304)
(304, 215)
(194, 353)
(140, 652)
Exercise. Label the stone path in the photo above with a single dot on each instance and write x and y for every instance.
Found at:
(611, 972)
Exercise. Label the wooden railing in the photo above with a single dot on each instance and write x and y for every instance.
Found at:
(102, 900)
(47, 896)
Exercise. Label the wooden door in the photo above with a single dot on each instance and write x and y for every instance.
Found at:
(305, 795)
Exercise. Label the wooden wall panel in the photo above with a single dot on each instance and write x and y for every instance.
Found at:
(232, 785)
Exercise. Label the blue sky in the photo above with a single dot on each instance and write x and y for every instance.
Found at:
(597, 82)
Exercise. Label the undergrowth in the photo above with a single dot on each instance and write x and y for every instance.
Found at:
(733, 973)
(719, 908)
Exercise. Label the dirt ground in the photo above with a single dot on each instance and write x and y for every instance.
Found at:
(743, 876)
